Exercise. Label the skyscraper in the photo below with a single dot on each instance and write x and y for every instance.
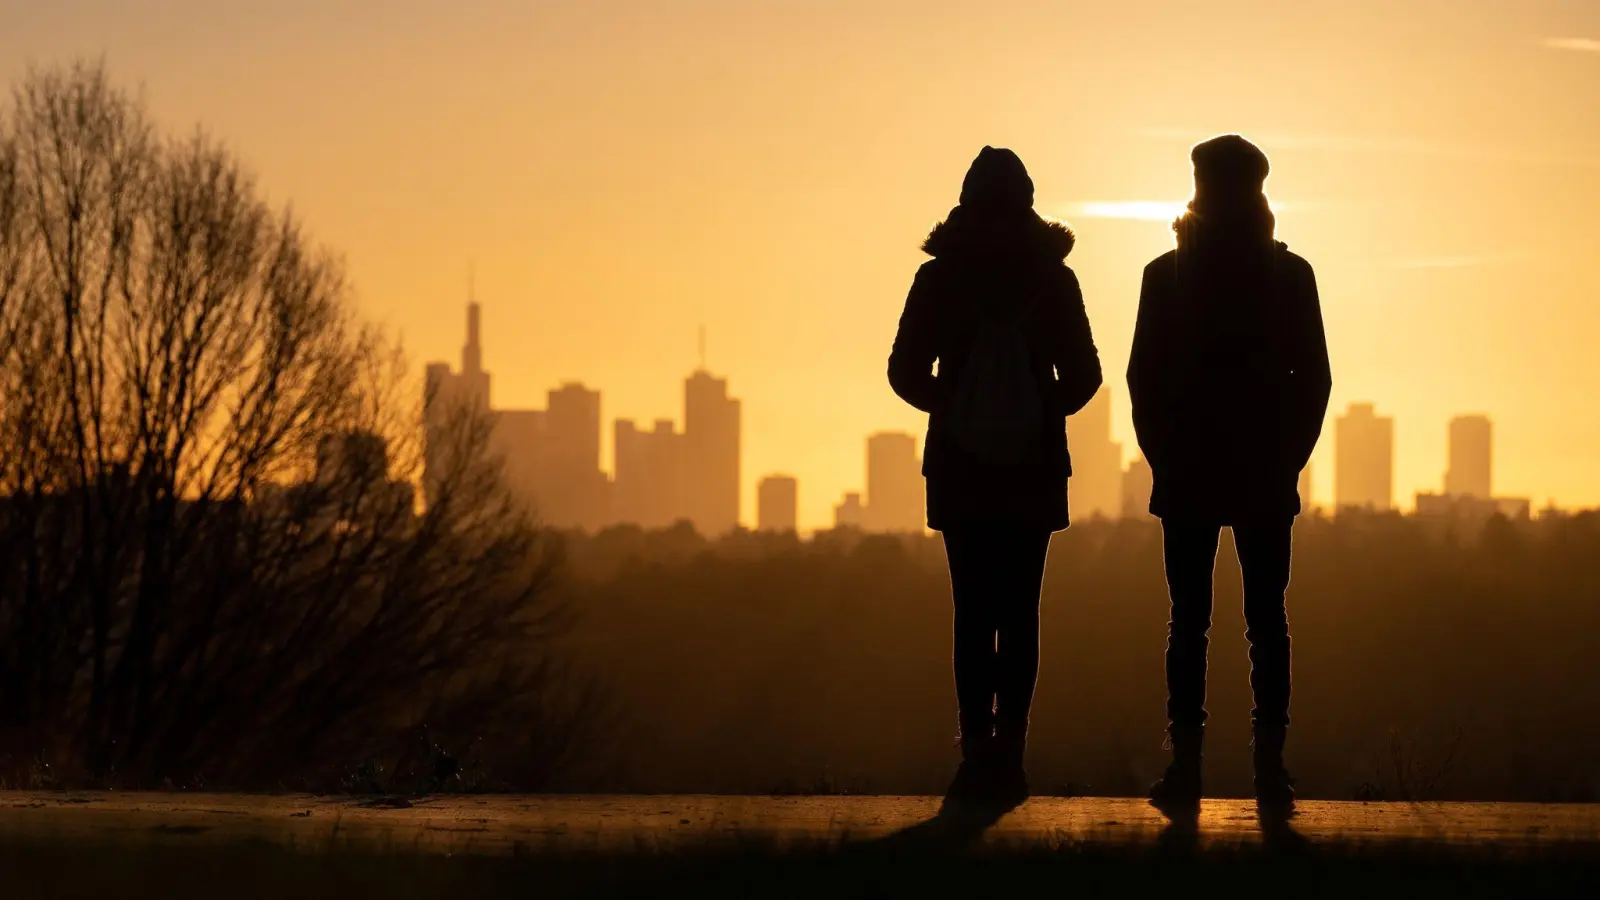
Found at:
(895, 493)
(1137, 483)
(1471, 457)
(1306, 503)
(648, 488)
(448, 400)
(777, 503)
(517, 441)
(473, 379)
(571, 488)
(1095, 488)
(1363, 476)
(711, 454)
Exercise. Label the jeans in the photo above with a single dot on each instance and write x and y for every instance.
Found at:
(995, 576)
(1190, 550)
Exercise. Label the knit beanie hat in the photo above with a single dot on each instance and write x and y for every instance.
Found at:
(997, 181)
(1228, 166)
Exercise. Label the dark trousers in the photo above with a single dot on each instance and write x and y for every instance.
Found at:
(1191, 554)
(995, 575)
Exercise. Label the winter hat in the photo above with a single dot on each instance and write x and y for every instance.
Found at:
(997, 180)
(1228, 166)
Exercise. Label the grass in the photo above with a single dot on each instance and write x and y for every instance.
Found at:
(912, 864)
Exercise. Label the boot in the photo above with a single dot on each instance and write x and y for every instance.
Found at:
(1179, 789)
(972, 782)
(1274, 786)
(1008, 776)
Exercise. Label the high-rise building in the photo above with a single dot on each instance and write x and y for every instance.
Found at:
(777, 503)
(1363, 476)
(1137, 482)
(474, 380)
(848, 514)
(1306, 503)
(711, 454)
(1471, 457)
(1095, 488)
(449, 400)
(648, 488)
(895, 492)
(517, 441)
(571, 489)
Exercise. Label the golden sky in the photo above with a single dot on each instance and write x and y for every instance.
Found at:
(623, 171)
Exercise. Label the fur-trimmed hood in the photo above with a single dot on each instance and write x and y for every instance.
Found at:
(1023, 234)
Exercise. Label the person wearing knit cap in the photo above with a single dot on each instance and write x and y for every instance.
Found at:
(1229, 380)
(994, 345)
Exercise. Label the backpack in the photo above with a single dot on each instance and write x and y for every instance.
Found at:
(995, 413)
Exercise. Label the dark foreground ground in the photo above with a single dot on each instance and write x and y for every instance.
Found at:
(233, 846)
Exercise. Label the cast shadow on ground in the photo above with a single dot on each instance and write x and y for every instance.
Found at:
(955, 827)
(1181, 836)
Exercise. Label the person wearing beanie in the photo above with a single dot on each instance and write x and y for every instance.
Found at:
(1000, 314)
(1229, 380)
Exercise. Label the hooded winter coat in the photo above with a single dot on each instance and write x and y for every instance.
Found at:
(1229, 373)
(996, 260)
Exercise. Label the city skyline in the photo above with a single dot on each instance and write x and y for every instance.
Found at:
(658, 475)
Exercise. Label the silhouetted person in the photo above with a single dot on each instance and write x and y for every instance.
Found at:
(1229, 380)
(1002, 315)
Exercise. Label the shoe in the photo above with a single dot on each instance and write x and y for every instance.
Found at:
(971, 784)
(1008, 776)
(1274, 784)
(1180, 788)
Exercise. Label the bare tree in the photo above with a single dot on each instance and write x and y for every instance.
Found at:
(216, 566)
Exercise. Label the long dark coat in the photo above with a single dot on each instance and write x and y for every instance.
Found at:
(1230, 384)
(982, 266)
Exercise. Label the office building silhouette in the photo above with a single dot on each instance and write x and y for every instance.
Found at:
(895, 500)
(1471, 457)
(1468, 496)
(648, 474)
(711, 454)
(778, 503)
(571, 489)
(849, 512)
(1363, 476)
(1304, 487)
(1095, 488)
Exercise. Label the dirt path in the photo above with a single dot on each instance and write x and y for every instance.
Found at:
(510, 825)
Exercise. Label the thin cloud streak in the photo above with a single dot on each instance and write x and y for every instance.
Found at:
(1333, 143)
(1147, 210)
(1581, 45)
(1467, 261)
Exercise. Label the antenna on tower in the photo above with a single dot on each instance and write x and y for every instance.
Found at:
(702, 348)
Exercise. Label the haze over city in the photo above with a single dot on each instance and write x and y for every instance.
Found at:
(621, 174)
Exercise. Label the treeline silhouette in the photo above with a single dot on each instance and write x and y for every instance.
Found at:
(212, 566)
(1431, 660)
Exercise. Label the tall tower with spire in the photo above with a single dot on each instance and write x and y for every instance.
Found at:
(474, 381)
(472, 353)
(445, 393)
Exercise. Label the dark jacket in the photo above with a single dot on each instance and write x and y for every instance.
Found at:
(996, 266)
(1229, 380)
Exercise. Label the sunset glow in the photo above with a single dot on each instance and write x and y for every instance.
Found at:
(625, 172)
